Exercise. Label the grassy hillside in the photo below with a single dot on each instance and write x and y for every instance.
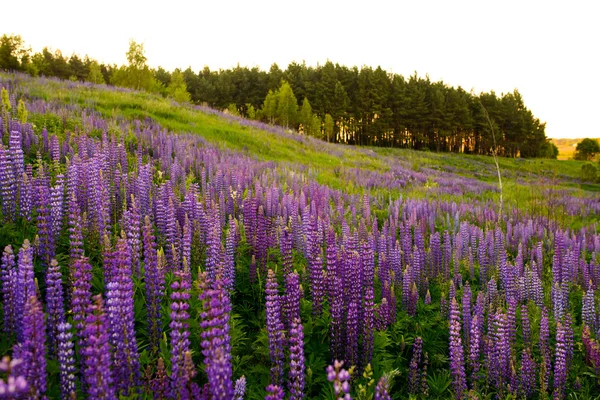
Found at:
(338, 166)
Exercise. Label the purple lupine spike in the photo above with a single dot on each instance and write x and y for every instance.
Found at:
(81, 297)
(54, 304)
(44, 223)
(132, 221)
(414, 379)
(230, 248)
(381, 390)
(26, 197)
(186, 240)
(500, 363)
(66, 361)
(213, 250)
(317, 284)
(336, 311)
(171, 236)
(120, 307)
(155, 286)
(96, 354)
(16, 386)
(544, 342)
(296, 376)
(351, 351)
(192, 389)
(560, 362)
(474, 347)
(274, 392)
(8, 188)
(457, 363)
(341, 380)
(216, 342)
(57, 194)
(291, 303)
(8, 277)
(75, 231)
(54, 149)
(32, 349)
(180, 342)
(588, 311)
(274, 328)
(240, 388)
(413, 299)
(159, 384)
(368, 326)
(285, 247)
(25, 285)
(528, 374)
(466, 312)
(511, 327)
(592, 349)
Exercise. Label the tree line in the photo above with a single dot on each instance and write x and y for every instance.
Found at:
(340, 104)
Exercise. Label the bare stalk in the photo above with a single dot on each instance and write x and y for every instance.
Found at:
(495, 155)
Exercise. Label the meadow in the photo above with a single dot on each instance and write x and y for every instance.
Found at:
(153, 249)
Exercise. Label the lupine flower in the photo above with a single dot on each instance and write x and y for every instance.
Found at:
(286, 251)
(291, 299)
(414, 381)
(15, 386)
(341, 380)
(95, 353)
(230, 242)
(216, 342)
(528, 373)
(351, 352)
(119, 303)
(8, 277)
(54, 303)
(368, 326)
(132, 220)
(159, 385)
(66, 361)
(180, 342)
(32, 349)
(588, 311)
(457, 363)
(381, 390)
(560, 362)
(155, 286)
(274, 393)
(81, 298)
(296, 375)
(544, 342)
(240, 388)
(25, 285)
(274, 328)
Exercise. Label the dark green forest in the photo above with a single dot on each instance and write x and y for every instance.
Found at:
(351, 105)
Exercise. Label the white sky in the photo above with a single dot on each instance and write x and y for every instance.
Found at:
(548, 50)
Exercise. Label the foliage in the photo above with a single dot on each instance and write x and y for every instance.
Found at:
(587, 149)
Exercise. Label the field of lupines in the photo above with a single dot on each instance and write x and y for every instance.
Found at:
(144, 259)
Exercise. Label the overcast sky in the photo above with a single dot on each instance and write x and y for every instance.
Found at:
(548, 50)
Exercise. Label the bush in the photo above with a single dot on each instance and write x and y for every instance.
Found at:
(587, 149)
(589, 172)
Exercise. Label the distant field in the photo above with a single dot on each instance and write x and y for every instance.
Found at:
(566, 147)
